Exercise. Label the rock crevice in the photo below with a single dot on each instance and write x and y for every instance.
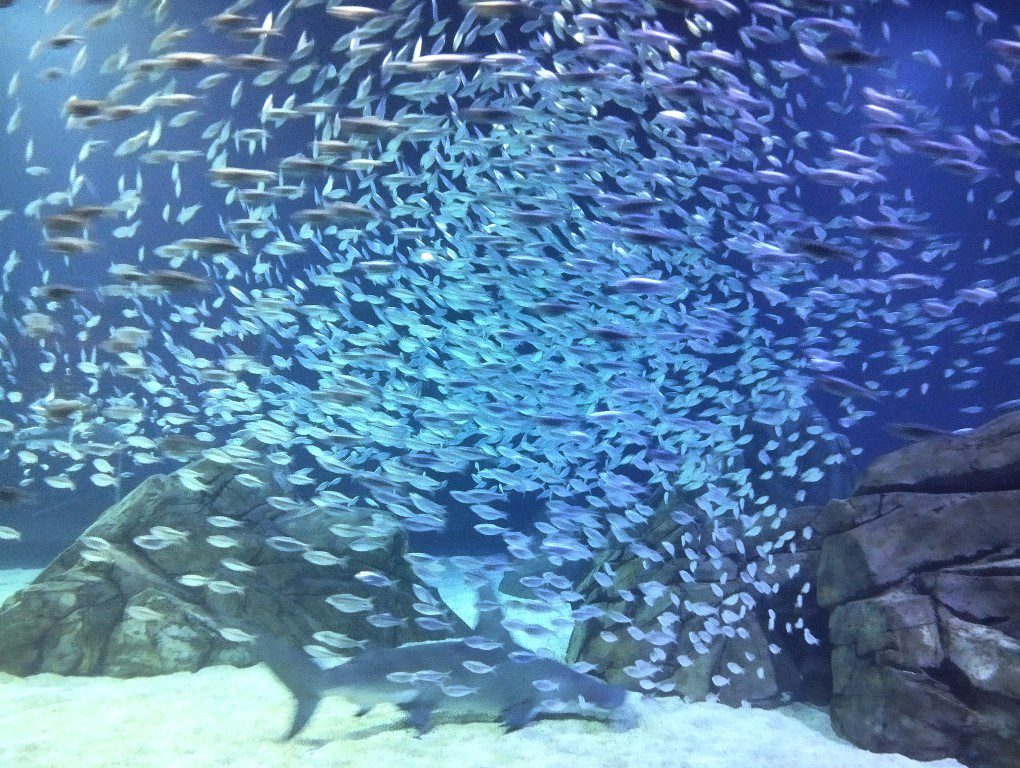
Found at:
(920, 571)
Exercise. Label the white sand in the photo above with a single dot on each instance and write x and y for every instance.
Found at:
(229, 718)
(13, 579)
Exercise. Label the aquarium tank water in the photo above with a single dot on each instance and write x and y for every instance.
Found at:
(504, 383)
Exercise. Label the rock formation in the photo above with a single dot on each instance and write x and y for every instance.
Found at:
(921, 572)
(112, 603)
(741, 654)
(761, 653)
(987, 459)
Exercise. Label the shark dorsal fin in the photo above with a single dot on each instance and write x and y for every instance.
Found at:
(490, 614)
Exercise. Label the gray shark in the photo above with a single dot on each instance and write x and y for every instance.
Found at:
(481, 678)
(471, 679)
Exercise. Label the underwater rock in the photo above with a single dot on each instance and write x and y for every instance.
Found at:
(898, 534)
(987, 592)
(923, 588)
(111, 604)
(761, 651)
(986, 459)
(729, 657)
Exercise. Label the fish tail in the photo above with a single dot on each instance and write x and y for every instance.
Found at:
(298, 673)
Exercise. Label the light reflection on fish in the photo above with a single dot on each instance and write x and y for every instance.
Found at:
(421, 264)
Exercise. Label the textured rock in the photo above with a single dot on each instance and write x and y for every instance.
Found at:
(117, 608)
(987, 459)
(899, 628)
(885, 709)
(903, 533)
(737, 663)
(988, 593)
(742, 626)
(989, 659)
(924, 591)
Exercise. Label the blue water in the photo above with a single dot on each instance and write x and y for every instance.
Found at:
(579, 301)
(56, 519)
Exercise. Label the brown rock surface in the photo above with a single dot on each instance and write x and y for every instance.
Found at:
(921, 573)
(112, 603)
(987, 459)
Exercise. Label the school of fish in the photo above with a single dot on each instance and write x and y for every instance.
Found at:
(420, 257)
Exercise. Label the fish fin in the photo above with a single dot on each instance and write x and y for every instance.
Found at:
(419, 715)
(490, 621)
(306, 706)
(297, 672)
(516, 716)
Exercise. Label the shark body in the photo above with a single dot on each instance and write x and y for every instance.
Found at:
(482, 678)
(445, 681)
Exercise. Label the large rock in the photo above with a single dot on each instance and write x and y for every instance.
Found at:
(737, 619)
(921, 572)
(759, 654)
(988, 592)
(987, 459)
(891, 536)
(113, 603)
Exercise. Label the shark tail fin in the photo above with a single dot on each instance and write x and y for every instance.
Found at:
(298, 673)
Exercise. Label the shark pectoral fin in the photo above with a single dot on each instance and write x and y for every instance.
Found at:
(419, 715)
(306, 706)
(517, 716)
(297, 672)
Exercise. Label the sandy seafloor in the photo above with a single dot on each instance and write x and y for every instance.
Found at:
(222, 717)
(14, 579)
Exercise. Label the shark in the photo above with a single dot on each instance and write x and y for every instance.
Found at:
(484, 677)
(471, 679)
